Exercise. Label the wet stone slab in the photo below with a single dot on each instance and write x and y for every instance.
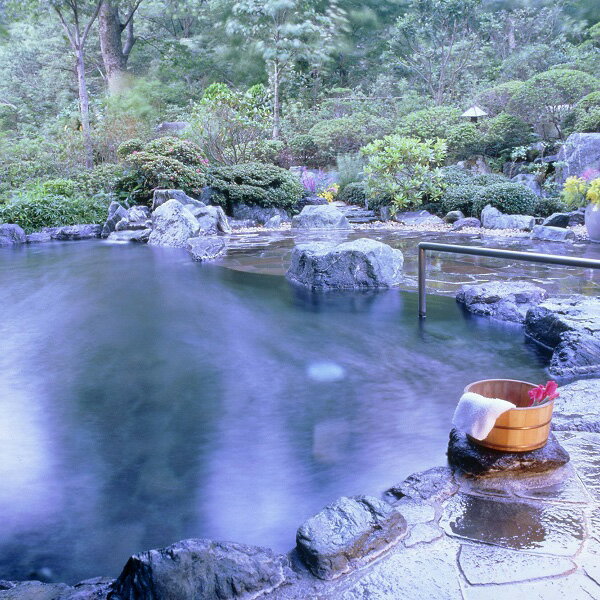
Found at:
(475, 460)
(415, 511)
(515, 524)
(423, 533)
(577, 408)
(489, 565)
(585, 452)
(433, 485)
(590, 560)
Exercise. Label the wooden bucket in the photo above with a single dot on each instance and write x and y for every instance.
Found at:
(520, 429)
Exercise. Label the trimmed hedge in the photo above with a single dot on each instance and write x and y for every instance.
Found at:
(254, 184)
(510, 198)
(460, 197)
(353, 193)
(454, 175)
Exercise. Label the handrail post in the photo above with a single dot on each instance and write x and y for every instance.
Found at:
(422, 289)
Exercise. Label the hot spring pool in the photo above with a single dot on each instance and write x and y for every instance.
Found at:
(145, 398)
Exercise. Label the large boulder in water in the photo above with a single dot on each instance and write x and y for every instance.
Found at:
(346, 532)
(197, 568)
(212, 220)
(570, 327)
(11, 234)
(161, 196)
(116, 213)
(492, 218)
(581, 151)
(321, 217)
(172, 225)
(362, 263)
(258, 214)
(503, 300)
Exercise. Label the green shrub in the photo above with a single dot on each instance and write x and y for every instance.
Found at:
(254, 184)
(350, 169)
(509, 198)
(495, 99)
(101, 179)
(455, 175)
(129, 147)
(353, 193)
(460, 197)
(429, 122)
(34, 208)
(547, 206)
(59, 187)
(487, 179)
(586, 116)
(464, 140)
(304, 149)
(405, 169)
(504, 132)
(268, 151)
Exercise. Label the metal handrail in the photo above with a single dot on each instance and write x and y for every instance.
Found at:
(548, 259)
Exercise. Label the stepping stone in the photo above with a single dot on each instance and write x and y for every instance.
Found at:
(577, 408)
(475, 460)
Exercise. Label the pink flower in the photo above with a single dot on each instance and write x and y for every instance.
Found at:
(543, 393)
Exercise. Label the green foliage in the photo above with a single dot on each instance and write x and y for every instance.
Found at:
(101, 179)
(350, 169)
(587, 114)
(254, 184)
(429, 123)
(353, 193)
(405, 169)
(465, 140)
(460, 197)
(574, 192)
(129, 147)
(163, 163)
(59, 187)
(303, 149)
(505, 132)
(509, 198)
(487, 179)
(495, 99)
(37, 207)
(548, 206)
(455, 175)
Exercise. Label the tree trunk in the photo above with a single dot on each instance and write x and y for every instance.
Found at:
(114, 53)
(276, 101)
(84, 108)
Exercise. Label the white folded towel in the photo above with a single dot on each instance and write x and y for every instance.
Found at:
(476, 414)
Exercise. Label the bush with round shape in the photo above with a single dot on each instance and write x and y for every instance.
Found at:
(254, 184)
(429, 123)
(509, 198)
(101, 179)
(129, 147)
(184, 151)
(460, 197)
(494, 99)
(464, 140)
(487, 179)
(59, 187)
(353, 193)
(505, 132)
(548, 206)
(455, 175)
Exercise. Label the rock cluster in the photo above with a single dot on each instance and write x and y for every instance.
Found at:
(492, 218)
(321, 217)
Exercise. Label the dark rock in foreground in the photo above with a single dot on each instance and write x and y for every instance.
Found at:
(11, 234)
(195, 569)
(466, 222)
(434, 485)
(76, 232)
(481, 462)
(570, 326)
(39, 237)
(206, 248)
(321, 217)
(557, 220)
(507, 301)
(362, 263)
(453, 216)
(116, 213)
(578, 407)
(348, 530)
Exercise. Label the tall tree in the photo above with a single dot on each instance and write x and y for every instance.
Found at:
(286, 32)
(116, 39)
(77, 18)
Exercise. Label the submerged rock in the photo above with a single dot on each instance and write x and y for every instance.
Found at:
(552, 234)
(206, 248)
(11, 234)
(577, 408)
(38, 237)
(570, 326)
(321, 217)
(196, 568)
(76, 232)
(362, 263)
(507, 301)
(492, 218)
(478, 461)
(347, 531)
(173, 224)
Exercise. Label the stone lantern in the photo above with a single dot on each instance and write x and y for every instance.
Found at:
(474, 113)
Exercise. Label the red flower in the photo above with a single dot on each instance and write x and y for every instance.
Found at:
(543, 393)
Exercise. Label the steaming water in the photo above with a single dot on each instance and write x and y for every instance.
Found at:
(145, 398)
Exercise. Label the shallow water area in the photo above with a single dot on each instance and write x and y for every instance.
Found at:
(145, 398)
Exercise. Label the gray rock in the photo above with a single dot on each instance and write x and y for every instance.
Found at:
(476, 165)
(347, 531)
(138, 213)
(127, 225)
(77, 232)
(161, 196)
(212, 220)
(552, 234)
(195, 569)
(116, 213)
(173, 224)
(38, 236)
(453, 216)
(570, 326)
(433, 485)
(241, 224)
(465, 223)
(171, 127)
(530, 181)
(492, 218)
(362, 263)
(320, 217)
(206, 248)
(92, 589)
(141, 236)
(482, 462)
(423, 533)
(577, 408)
(258, 213)
(11, 234)
(418, 217)
(503, 300)
(579, 152)
(577, 217)
(274, 222)
(557, 220)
